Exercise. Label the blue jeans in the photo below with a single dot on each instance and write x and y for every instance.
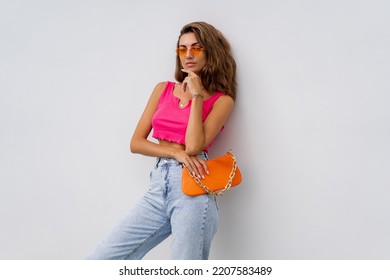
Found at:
(164, 210)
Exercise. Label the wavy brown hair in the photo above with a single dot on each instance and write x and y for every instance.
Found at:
(219, 73)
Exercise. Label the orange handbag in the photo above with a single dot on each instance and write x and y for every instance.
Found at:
(224, 174)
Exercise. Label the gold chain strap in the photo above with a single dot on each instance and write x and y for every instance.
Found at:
(228, 185)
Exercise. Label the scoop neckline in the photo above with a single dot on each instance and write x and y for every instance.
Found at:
(189, 101)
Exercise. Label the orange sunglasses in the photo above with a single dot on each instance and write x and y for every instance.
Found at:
(182, 51)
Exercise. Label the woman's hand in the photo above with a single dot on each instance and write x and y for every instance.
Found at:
(195, 164)
(192, 82)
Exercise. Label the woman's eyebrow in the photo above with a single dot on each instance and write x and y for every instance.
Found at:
(196, 43)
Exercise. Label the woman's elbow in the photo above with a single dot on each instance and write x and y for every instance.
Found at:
(193, 150)
(134, 146)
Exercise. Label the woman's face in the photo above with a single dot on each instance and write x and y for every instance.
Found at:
(191, 53)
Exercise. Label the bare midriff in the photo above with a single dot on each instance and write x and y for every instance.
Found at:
(171, 144)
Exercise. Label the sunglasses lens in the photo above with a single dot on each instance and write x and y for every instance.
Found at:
(183, 51)
(196, 51)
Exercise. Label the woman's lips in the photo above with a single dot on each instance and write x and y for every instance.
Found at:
(190, 64)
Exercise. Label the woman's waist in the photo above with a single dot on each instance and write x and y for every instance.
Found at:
(171, 144)
(171, 161)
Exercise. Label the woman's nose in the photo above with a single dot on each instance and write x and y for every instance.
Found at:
(189, 54)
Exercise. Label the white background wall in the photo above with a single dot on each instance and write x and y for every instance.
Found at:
(310, 127)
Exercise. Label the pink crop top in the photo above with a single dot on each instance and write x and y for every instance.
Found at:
(170, 121)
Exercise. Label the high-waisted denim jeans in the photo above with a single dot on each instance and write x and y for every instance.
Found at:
(164, 210)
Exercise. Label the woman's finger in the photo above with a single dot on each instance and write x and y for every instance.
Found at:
(204, 165)
(201, 166)
(189, 72)
(191, 166)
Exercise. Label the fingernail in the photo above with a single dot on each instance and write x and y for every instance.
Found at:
(202, 177)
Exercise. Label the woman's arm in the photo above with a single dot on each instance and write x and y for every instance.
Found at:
(198, 134)
(139, 143)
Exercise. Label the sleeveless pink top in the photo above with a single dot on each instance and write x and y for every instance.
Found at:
(170, 121)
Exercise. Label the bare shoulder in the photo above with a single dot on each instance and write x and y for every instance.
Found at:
(159, 87)
(156, 93)
(224, 101)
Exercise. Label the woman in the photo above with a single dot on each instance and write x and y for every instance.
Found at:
(185, 118)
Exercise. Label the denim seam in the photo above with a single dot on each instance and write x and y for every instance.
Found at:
(148, 238)
(203, 227)
(166, 182)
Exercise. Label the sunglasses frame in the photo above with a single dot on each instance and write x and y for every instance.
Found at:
(194, 50)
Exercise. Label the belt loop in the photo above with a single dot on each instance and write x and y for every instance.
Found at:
(205, 154)
(157, 162)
